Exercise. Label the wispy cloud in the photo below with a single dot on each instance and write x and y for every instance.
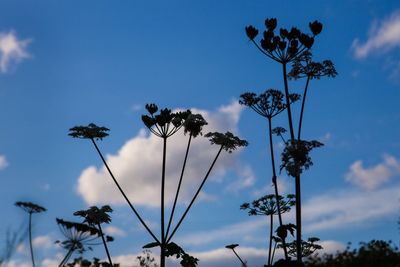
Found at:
(3, 162)
(137, 164)
(12, 50)
(372, 177)
(114, 231)
(383, 36)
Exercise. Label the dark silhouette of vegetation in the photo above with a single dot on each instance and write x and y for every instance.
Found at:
(375, 253)
(232, 247)
(164, 123)
(268, 206)
(95, 217)
(289, 48)
(30, 208)
(79, 237)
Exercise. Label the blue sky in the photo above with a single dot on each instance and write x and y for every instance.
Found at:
(76, 62)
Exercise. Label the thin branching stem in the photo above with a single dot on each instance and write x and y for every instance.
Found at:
(179, 184)
(30, 239)
(271, 227)
(195, 195)
(302, 107)
(67, 256)
(105, 244)
(274, 177)
(123, 193)
(237, 255)
(163, 237)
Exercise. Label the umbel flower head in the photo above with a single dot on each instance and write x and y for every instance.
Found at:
(194, 124)
(285, 45)
(165, 123)
(92, 131)
(94, 215)
(79, 236)
(267, 205)
(227, 141)
(30, 207)
(296, 156)
(307, 247)
(303, 66)
(267, 104)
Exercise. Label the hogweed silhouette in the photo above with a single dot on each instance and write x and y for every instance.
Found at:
(164, 123)
(290, 48)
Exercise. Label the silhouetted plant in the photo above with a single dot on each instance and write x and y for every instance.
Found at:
(307, 247)
(164, 123)
(293, 47)
(79, 237)
(95, 217)
(232, 247)
(81, 262)
(268, 206)
(374, 253)
(147, 259)
(30, 208)
(12, 240)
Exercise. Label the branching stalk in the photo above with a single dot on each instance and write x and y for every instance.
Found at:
(302, 107)
(30, 238)
(105, 245)
(195, 195)
(123, 193)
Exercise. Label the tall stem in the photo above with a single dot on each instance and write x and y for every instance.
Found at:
(30, 238)
(179, 184)
(67, 256)
(163, 237)
(237, 255)
(297, 178)
(270, 240)
(195, 195)
(105, 245)
(274, 181)
(123, 193)
(302, 107)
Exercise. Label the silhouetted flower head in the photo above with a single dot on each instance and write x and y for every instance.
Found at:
(251, 32)
(30, 207)
(79, 236)
(267, 205)
(165, 123)
(303, 66)
(285, 45)
(295, 156)
(94, 215)
(232, 246)
(194, 124)
(267, 104)
(278, 131)
(228, 141)
(92, 131)
(307, 247)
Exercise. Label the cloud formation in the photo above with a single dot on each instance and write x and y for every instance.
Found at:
(383, 36)
(372, 177)
(137, 165)
(3, 162)
(12, 50)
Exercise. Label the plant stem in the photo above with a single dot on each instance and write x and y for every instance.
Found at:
(105, 245)
(270, 240)
(237, 255)
(123, 193)
(274, 177)
(302, 107)
(179, 184)
(162, 246)
(195, 195)
(30, 238)
(297, 178)
(67, 256)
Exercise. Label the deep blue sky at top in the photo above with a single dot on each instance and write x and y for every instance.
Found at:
(101, 61)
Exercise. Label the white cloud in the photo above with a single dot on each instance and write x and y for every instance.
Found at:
(372, 177)
(12, 50)
(383, 36)
(246, 179)
(344, 209)
(3, 162)
(114, 231)
(137, 165)
(43, 242)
